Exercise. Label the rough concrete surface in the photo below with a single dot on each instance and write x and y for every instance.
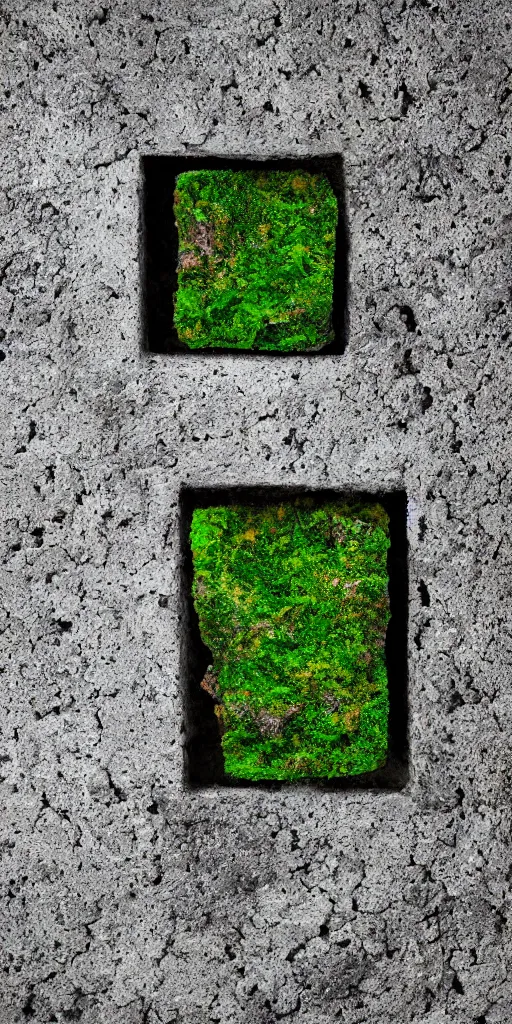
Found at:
(127, 897)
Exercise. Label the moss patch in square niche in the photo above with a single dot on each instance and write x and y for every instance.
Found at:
(292, 601)
(256, 259)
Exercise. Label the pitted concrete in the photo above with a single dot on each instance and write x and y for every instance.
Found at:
(129, 899)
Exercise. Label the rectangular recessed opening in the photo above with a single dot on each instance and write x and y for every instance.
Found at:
(159, 247)
(204, 758)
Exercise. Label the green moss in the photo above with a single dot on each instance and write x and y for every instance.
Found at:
(256, 259)
(292, 602)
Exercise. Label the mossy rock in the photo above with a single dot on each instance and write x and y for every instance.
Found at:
(292, 601)
(256, 259)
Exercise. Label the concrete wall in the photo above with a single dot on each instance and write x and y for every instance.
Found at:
(129, 898)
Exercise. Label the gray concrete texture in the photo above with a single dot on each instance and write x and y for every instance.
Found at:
(129, 898)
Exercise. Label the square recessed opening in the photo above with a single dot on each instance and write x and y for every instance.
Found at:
(205, 755)
(160, 254)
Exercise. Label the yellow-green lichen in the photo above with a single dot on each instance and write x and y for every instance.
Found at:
(256, 259)
(293, 603)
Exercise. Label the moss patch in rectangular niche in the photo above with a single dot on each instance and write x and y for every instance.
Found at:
(256, 259)
(292, 601)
